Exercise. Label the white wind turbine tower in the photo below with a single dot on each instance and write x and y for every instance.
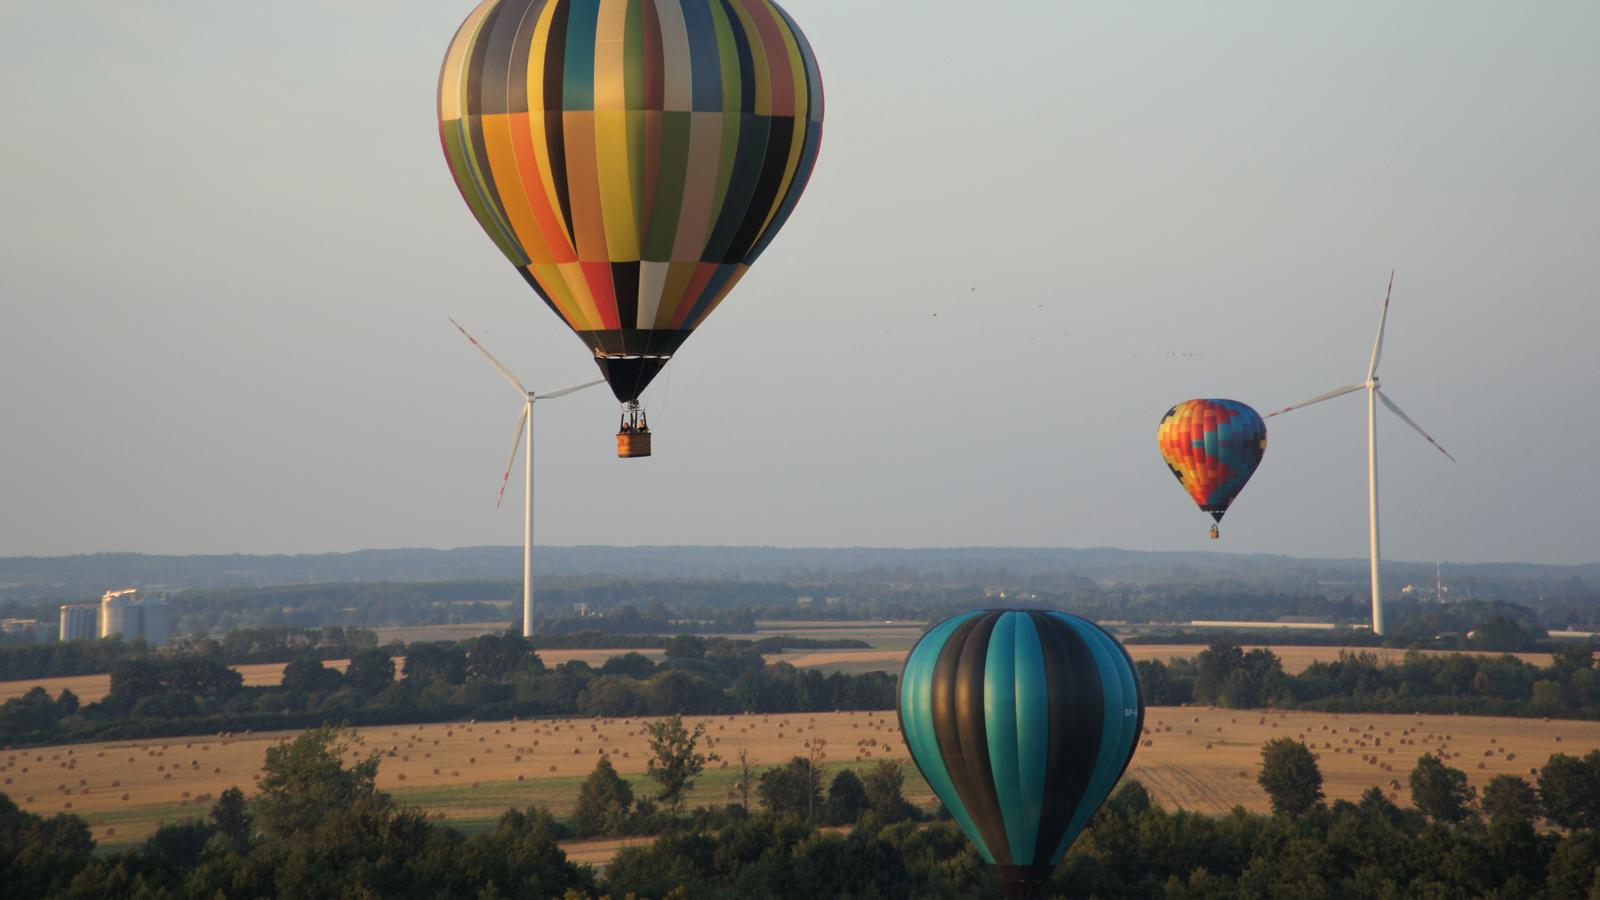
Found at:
(1374, 396)
(525, 422)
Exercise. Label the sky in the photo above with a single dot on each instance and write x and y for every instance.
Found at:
(229, 246)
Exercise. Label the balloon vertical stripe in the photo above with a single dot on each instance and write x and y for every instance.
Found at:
(1022, 722)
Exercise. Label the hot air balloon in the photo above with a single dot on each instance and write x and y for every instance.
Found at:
(632, 159)
(1213, 447)
(1022, 722)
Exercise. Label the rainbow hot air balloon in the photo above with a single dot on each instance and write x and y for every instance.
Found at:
(632, 159)
(1022, 722)
(1213, 447)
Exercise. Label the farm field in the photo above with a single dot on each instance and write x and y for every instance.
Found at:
(468, 773)
(90, 688)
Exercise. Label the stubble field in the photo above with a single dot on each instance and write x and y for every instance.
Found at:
(468, 773)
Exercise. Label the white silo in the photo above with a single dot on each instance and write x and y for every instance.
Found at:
(80, 622)
(157, 621)
(119, 616)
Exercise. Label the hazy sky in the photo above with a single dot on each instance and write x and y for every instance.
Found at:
(229, 244)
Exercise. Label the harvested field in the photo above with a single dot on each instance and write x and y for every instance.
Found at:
(90, 688)
(468, 773)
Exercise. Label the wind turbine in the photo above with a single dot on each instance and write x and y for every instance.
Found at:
(525, 422)
(1374, 396)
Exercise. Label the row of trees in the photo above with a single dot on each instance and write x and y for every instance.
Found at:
(237, 647)
(493, 676)
(1224, 674)
(317, 826)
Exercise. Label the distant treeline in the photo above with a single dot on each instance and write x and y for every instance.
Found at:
(237, 647)
(1226, 675)
(490, 677)
(599, 640)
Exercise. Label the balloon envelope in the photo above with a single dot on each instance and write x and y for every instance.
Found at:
(1022, 722)
(631, 158)
(1213, 447)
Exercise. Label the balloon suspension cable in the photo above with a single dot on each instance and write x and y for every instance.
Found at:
(633, 432)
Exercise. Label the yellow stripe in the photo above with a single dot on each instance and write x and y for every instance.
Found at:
(616, 184)
(583, 300)
(610, 32)
(554, 285)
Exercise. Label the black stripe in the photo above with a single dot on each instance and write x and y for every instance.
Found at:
(963, 737)
(476, 59)
(500, 29)
(780, 140)
(748, 155)
(1077, 722)
(747, 61)
(555, 68)
(625, 285)
(521, 46)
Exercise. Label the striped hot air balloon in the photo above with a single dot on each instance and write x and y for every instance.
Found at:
(1213, 447)
(1022, 722)
(631, 158)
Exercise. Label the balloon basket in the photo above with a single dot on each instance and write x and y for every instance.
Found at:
(1215, 532)
(632, 444)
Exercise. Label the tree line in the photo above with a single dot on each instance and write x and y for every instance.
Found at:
(491, 677)
(1226, 675)
(317, 826)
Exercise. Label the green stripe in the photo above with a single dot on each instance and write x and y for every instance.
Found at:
(1033, 736)
(916, 719)
(663, 224)
(1000, 727)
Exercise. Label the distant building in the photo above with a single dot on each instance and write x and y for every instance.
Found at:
(80, 622)
(119, 614)
(119, 617)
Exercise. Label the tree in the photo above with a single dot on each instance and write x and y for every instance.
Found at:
(305, 780)
(1440, 792)
(1510, 799)
(230, 816)
(745, 770)
(604, 801)
(884, 785)
(674, 760)
(1290, 776)
(846, 798)
(1570, 658)
(686, 646)
(1569, 789)
(370, 672)
(307, 675)
(436, 659)
(792, 789)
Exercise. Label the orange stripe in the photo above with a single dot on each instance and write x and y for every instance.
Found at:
(583, 186)
(550, 225)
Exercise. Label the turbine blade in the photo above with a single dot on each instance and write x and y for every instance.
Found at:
(1407, 419)
(511, 461)
(551, 395)
(1318, 399)
(1377, 346)
(492, 361)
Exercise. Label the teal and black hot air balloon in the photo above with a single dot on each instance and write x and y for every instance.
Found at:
(1022, 722)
